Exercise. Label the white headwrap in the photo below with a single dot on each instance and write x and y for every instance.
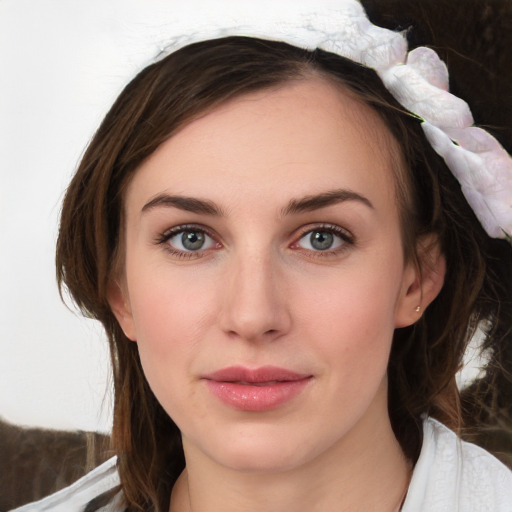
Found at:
(417, 79)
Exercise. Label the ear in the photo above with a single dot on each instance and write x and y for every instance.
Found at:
(421, 283)
(118, 300)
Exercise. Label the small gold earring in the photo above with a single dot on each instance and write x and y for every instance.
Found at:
(418, 309)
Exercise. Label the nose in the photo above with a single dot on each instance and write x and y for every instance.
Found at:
(254, 306)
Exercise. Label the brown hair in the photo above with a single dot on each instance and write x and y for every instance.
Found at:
(425, 357)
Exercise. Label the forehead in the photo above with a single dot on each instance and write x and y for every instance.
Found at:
(304, 135)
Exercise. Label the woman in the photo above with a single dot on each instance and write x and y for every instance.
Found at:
(289, 274)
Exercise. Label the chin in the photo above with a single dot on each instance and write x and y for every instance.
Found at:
(262, 450)
(260, 459)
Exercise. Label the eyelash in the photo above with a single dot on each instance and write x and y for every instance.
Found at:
(347, 240)
(170, 233)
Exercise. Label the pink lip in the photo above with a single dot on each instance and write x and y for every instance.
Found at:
(261, 389)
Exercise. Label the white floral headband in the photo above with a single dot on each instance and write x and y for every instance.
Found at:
(417, 79)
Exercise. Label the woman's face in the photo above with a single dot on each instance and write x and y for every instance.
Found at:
(264, 277)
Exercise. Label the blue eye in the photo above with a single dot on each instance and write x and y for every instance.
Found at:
(323, 239)
(189, 240)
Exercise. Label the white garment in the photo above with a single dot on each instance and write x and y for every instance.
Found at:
(76, 497)
(454, 476)
(450, 476)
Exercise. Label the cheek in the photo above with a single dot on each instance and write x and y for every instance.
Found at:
(352, 317)
(170, 324)
(167, 302)
(171, 313)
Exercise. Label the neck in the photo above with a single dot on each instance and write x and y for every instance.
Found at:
(350, 476)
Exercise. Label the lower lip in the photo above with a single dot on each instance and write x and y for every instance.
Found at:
(247, 397)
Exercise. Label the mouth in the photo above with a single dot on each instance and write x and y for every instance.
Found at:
(265, 383)
(257, 390)
(262, 375)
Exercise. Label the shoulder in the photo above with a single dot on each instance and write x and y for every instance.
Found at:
(455, 475)
(104, 480)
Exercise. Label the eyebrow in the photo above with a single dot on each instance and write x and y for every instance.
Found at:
(315, 202)
(188, 204)
(305, 204)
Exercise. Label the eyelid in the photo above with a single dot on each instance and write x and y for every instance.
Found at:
(164, 237)
(345, 235)
(170, 232)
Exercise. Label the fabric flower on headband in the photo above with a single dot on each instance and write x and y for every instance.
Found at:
(417, 79)
(482, 167)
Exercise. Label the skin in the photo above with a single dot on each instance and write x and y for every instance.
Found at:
(258, 293)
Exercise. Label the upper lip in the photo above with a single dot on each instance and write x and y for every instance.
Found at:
(256, 375)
